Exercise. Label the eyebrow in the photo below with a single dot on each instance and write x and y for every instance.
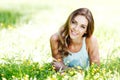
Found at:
(83, 24)
(74, 20)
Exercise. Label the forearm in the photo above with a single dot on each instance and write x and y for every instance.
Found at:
(95, 61)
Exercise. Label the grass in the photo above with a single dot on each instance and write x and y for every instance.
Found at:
(25, 51)
(26, 70)
(9, 18)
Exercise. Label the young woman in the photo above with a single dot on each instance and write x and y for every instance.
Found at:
(74, 45)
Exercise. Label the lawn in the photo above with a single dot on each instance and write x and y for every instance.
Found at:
(25, 29)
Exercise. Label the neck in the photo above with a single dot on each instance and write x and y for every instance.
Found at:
(75, 45)
(76, 41)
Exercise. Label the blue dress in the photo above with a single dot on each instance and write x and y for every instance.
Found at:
(79, 58)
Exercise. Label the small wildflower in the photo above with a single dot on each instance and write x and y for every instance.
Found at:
(2, 74)
(71, 73)
(4, 78)
(10, 26)
(104, 70)
(52, 78)
(78, 67)
(13, 77)
(80, 71)
(1, 24)
(63, 74)
(26, 77)
(53, 67)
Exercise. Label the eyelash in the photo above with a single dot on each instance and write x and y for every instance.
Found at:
(83, 27)
(74, 22)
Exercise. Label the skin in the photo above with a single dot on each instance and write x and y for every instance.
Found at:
(77, 29)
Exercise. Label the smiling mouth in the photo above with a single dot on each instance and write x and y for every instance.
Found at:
(74, 33)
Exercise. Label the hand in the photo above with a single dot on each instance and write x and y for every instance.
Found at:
(59, 65)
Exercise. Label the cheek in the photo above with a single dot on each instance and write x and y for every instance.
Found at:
(82, 31)
(71, 27)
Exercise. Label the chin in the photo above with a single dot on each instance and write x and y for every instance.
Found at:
(73, 37)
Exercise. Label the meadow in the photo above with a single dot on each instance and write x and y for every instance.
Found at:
(25, 29)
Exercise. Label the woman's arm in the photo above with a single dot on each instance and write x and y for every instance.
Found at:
(57, 58)
(93, 51)
(54, 47)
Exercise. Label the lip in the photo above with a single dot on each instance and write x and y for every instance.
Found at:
(74, 33)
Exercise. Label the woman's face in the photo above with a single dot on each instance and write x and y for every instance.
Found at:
(78, 27)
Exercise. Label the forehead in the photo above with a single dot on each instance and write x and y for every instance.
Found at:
(81, 19)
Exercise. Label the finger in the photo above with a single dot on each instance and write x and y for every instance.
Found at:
(54, 59)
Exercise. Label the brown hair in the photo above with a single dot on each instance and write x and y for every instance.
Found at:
(64, 39)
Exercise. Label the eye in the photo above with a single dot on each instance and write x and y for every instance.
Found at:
(83, 26)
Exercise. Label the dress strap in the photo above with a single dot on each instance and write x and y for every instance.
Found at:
(84, 42)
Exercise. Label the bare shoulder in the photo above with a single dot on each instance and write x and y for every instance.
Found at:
(54, 42)
(54, 38)
(91, 42)
(92, 46)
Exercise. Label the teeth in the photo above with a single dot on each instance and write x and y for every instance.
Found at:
(74, 33)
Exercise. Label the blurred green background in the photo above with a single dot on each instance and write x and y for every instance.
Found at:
(26, 26)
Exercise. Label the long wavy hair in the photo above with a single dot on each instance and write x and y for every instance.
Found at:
(64, 38)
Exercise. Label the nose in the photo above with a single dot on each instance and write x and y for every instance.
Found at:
(76, 27)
